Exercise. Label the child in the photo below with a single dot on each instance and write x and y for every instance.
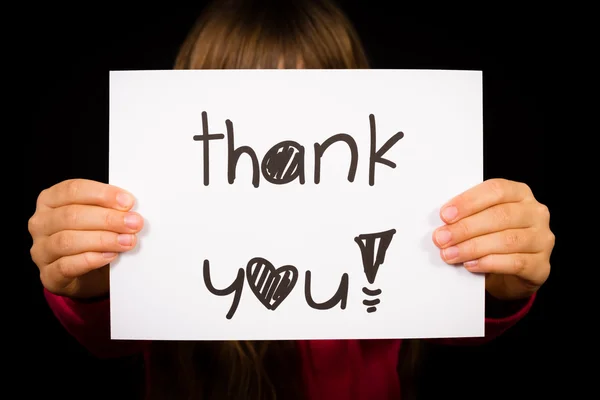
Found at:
(80, 226)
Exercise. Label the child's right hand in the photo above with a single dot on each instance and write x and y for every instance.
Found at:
(78, 228)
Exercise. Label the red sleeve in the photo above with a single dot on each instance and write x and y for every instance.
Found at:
(89, 324)
(500, 316)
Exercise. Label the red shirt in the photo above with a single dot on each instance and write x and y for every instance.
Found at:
(348, 369)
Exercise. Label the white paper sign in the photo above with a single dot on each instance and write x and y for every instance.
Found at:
(293, 204)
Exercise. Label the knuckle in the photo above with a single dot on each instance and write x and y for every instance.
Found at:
(543, 211)
(542, 239)
(62, 267)
(33, 225)
(463, 229)
(107, 193)
(46, 281)
(41, 198)
(463, 202)
(470, 249)
(518, 265)
(34, 253)
(63, 242)
(512, 240)
(461, 198)
(551, 239)
(540, 273)
(498, 187)
(87, 263)
(525, 188)
(547, 267)
(106, 241)
(72, 188)
(109, 219)
(71, 215)
(502, 215)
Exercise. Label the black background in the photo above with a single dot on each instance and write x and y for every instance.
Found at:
(73, 49)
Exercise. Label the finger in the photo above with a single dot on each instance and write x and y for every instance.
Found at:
(523, 265)
(68, 243)
(494, 219)
(83, 191)
(483, 196)
(87, 218)
(505, 242)
(60, 273)
(37, 253)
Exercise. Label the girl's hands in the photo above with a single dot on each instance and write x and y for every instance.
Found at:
(78, 228)
(498, 228)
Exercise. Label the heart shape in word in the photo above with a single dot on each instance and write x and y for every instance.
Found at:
(270, 285)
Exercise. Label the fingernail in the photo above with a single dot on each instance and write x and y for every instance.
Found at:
(125, 200)
(450, 253)
(449, 213)
(125, 240)
(473, 266)
(109, 255)
(442, 237)
(133, 221)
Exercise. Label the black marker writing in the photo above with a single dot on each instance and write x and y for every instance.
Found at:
(270, 286)
(373, 248)
(341, 296)
(233, 156)
(320, 149)
(377, 155)
(205, 138)
(285, 161)
(236, 287)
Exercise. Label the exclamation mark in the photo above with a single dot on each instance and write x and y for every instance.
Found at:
(373, 247)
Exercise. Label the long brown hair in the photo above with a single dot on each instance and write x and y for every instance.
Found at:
(249, 34)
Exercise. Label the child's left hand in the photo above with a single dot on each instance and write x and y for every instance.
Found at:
(500, 229)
